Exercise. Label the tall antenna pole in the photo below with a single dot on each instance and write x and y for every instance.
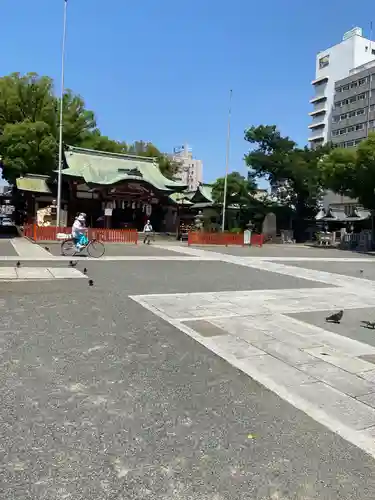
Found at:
(227, 162)
(59, 176)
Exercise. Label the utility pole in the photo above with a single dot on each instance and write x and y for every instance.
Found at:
(59, 176)
(227, 163)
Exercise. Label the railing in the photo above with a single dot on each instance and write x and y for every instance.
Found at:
(52, 233)
(202, 238)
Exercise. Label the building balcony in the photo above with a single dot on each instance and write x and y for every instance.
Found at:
(318, 98)
(318, 113)
(317, 125)
(320, 80)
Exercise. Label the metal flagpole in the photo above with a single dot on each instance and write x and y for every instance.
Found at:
(227, 162)
(59, 178)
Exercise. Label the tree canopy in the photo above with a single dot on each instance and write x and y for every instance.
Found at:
(239, 190)
(29, 128)
(293, 173)
(351, 171)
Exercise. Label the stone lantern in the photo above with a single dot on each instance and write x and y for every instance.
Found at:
(198, 221)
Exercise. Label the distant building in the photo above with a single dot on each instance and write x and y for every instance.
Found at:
(353, 115)
(191, 169)
(332, 65)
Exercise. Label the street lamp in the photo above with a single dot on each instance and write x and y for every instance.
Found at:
(59, 176)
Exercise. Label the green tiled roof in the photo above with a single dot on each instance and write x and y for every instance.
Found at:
(203, 194)
(97, 167)
(206, 192)
(34, 184)
(181, 198)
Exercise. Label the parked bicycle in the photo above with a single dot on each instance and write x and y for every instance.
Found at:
(94, 248)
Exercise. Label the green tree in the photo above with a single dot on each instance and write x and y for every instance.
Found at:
(95, 140)
(351, 171)
(28, 147)
(239, 190)
(167, 166)
(293, 173)
(29, 124)
(29, 128)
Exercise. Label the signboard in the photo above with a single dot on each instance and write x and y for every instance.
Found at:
(108, 212)
(352, 32)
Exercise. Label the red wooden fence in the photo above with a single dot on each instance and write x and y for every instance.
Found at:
(49, 233)
(201, 238)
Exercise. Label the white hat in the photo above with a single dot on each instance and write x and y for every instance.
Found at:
(81, 217)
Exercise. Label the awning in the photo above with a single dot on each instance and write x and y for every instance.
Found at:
(33, 185)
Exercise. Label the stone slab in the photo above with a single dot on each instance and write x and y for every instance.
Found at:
(368, 399)
(205, 328)
(275, 369)
(26, 273)
(340, 359)
(285, 352)
(337, 405)
(339, 379)
(237, 347)
(65, 272)
(8, 273)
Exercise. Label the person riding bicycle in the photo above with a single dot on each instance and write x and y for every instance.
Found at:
(79, 231)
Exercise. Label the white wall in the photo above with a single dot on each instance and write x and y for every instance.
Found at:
(343, 57)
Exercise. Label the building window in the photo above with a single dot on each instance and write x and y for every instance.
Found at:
(335, 133)
(360, 111)
(357, 141)
(342, 131)
(362, 96)
(351, 129)
(345, 87)
(353, 85)
(362, 81)
(360, 126)
(372, 107)
(353, 99)
(344, 116)
(351, 114)
(339, 89)
(335, 118)
(373, 51)
(323, 62)
(349, 144)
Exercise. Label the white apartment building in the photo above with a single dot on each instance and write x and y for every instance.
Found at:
(191, 169)
(335, 64)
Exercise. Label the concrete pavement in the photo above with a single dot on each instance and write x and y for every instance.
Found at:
(107, 396)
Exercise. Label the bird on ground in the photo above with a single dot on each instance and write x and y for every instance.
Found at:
(46, 248)
(335, 318)
(361, 271)
(91, 283)
(73, 264)
(85, 271)
(369, 324)
(18, 264)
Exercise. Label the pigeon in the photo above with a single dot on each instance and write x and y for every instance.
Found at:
(369, 324)
(85, 271)
(335, 318)
(46, 248)
(18, 264)
(91, 283)
(361, 271)
(73, 264)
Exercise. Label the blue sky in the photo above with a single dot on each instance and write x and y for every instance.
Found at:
(161, 70)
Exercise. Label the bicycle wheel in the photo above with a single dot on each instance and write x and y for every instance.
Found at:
(68, 248)
(95, 249)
